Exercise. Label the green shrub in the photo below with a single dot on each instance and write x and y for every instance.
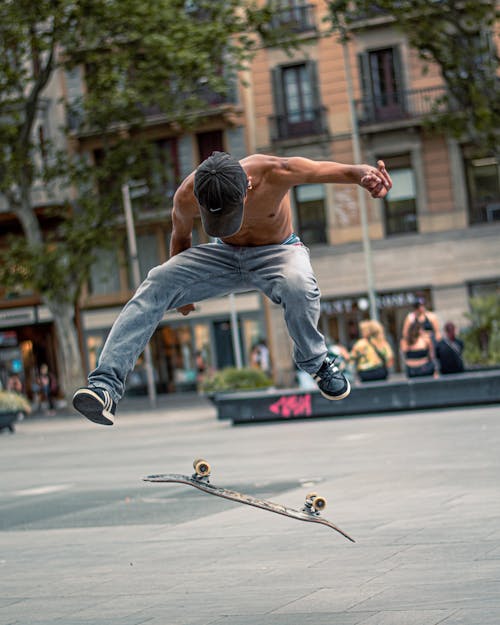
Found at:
(482, 337)
(233, 379)
(13, 402)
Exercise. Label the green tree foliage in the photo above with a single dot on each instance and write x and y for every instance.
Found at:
(135, 57)
(482, 337)
(458, 37)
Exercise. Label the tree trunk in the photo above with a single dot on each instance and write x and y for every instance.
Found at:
(68, 350)
(71, 375)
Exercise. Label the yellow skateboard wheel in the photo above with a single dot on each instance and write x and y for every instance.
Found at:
(201, 467)
(319, 503)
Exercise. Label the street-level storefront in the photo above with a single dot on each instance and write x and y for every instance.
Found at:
(27, 340)
(185, 347)
(340, 316)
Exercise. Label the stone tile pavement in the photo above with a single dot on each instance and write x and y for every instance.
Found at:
(419, 492)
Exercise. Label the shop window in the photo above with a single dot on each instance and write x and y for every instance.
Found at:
(400, 204)
(483, 179)
(95, 343)
(310, 213)
(485, 288)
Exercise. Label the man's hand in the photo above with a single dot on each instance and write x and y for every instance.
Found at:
(186, 309)
(376, 180)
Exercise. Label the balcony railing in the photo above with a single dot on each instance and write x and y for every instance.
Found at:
(76, 121)
(301, 124)
(400, 105)
(298, 19)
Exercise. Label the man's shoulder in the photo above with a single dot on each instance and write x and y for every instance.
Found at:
(264, 162)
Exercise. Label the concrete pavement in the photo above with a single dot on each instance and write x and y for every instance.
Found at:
(83, 541)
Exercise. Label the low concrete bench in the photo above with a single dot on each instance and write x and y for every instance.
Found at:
(464, 389)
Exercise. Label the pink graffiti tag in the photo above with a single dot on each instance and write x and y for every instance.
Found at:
(292, 406)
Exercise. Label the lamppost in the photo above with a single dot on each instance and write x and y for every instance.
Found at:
(140, 189)
(370, 281)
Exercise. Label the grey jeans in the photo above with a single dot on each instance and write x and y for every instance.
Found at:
(282, 272)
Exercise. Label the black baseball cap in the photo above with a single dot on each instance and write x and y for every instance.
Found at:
(220, 186)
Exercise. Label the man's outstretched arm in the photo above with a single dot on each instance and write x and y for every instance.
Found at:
(299, 170)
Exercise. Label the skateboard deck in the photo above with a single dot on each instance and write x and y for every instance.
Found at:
(310, 513)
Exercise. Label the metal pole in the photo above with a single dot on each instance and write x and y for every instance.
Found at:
(233, 322)
(136, 277)
(234, 332)
(361, 192)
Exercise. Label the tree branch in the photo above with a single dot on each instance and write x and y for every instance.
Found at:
(33, 98)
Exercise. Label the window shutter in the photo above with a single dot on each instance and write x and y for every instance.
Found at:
(399, 76)
(367, 108)
(277, 85)
(312, 73)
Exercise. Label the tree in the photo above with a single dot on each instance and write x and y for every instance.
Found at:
(457, 36)
(135, 56)
(482, 337)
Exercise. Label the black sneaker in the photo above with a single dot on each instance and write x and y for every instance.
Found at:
(96, 404)
(331, 381)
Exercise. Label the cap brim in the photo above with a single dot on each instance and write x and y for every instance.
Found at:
(224, 223)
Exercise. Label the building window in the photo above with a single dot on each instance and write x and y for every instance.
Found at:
(310, 213)
(485, 288)
(105, 273)
(161, 179)
(382, 84)
(400, 204)
(208, 142)
(147, 252)
(298, 94)
(294, 15)
(297, 102)
(483, 179)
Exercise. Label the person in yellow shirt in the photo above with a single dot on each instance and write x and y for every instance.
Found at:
(372, 353)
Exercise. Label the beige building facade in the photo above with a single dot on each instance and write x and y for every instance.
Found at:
(437, 234)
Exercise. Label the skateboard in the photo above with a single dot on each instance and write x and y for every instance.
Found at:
(313, 506)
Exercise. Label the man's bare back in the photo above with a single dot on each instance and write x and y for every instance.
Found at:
(267, 217)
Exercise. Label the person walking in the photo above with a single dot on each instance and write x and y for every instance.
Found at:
(245, 206)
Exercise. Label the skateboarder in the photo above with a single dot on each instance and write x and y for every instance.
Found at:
(245, 206)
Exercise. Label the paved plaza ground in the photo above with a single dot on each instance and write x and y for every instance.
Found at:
(84, 541)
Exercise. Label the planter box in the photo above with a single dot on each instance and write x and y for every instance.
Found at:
(464, 389)
(8, 419)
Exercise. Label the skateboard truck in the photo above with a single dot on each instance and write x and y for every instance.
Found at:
(314, 504)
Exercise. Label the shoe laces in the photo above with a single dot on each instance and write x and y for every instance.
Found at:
(331, 370)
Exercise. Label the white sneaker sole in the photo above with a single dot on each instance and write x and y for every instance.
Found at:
(91, 406)
(336, 397)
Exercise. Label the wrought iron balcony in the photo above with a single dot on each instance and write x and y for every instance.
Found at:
(301, 124)
(76, 120)
(400, 105)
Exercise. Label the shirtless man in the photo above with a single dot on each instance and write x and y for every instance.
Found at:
(245, 205)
